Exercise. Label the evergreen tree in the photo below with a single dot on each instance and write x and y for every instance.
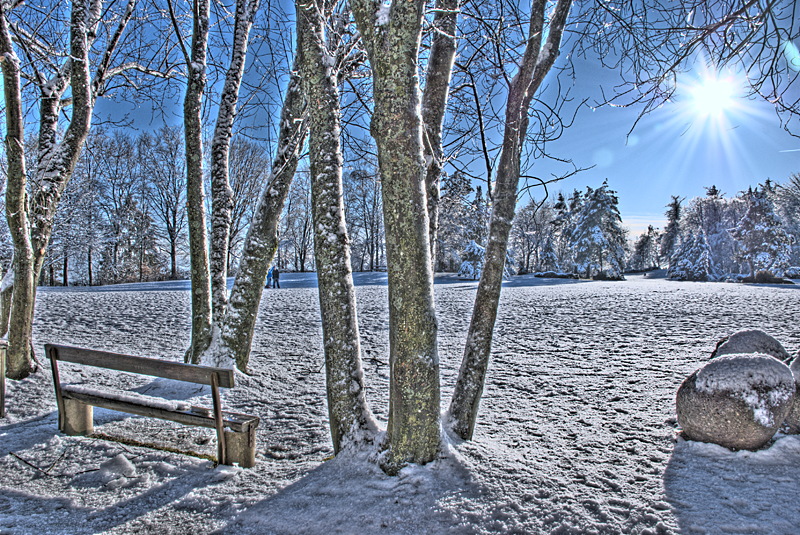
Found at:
(692, 261)
(669, 239)
(454, 214)
(645, 253)
(765, 245)
(714, 215)
(597, 237)
(549, 258)
(477, 225)
(565, 212)
(788, 209)
(473, 261)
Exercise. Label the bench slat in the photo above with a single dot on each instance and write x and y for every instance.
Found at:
(145, 366)
(198, 416)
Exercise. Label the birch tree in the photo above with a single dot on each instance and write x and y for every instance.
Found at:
(434, 104)
(537, 60)
(323, 56)
(391, 35)
(222, 194)
(31, 225)
(232, 341)
(195, 58)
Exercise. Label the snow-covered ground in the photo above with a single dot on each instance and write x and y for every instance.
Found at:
(576, 431)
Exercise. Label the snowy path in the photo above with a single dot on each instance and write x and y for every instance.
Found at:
(575, 435)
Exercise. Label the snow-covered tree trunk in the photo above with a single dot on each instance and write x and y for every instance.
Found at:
(231, 343)
(536, 63)
(348, 412)
(56, 162)
(20, 363)
(195, 194)
(434, 103)
(391, 34)
(221, 192)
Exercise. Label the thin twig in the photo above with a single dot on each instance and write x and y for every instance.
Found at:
(26, 462)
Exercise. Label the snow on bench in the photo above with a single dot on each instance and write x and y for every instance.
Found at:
(128, 397)
(75, 402)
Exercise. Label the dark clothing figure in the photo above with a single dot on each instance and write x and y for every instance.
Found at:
(276, 277)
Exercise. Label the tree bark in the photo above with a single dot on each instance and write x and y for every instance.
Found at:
(434, 104)
(56, 163)
(392, 41)
(221, 192)
(537, 61)
(349, 415)
(195, 194)
(231, 343)
(18, 358)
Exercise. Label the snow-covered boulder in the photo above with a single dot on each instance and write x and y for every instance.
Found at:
(736, 401)
(793, 419)
(751, 341)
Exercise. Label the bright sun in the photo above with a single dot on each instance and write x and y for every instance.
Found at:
(712, 96)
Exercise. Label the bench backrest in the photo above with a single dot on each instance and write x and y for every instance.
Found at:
(191, 373)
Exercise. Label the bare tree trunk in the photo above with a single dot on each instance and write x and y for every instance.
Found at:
(56, 163)
(66, 270)
(173, 255)
(434, 103)
(195, 194)
(221, 192)
(536, 62)
(231, 344)
(348, 412)
(392, 39)
(89, 265)
(19, 362)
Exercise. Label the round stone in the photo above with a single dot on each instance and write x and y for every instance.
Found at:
(736, 401)
(793, 418)
(751, 341)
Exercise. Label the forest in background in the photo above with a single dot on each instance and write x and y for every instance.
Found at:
(122, 219)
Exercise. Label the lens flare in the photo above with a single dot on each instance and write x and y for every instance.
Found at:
(713, 96)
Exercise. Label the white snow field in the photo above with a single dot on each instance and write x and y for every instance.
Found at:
(576, 432)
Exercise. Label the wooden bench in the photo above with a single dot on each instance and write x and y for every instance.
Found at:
(75, 402)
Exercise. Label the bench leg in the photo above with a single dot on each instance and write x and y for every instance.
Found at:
(77, 418)
(240, 448)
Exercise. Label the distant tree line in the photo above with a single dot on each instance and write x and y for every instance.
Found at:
(713, 237)
(755, 233)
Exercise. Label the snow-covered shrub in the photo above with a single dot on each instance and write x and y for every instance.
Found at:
(554, 275)
(736, 401)
(765, 245)
(692, 261)
(472, 265)
(792, 272)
